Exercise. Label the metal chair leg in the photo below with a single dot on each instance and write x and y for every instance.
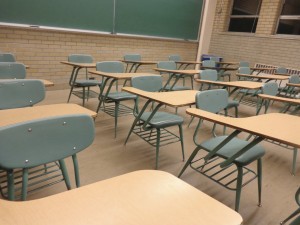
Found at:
(76, 170)
(181, 141)
(259, 180)
(65, 173)
(116, 116)
(157, 147)
(295, 151)
(10, 185)
(238, 188)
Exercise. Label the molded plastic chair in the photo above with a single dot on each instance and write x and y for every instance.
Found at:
(109, 96)
(244, 92)
(290, 90)
(37, 142)
(174, 58)
(221, 73)
(270, 88)
(213, 76)
(7, 57)
(20, 93)
(244, 64)
(214, 101)
(171, 65)
(297, 220)
(155, 120)
(12, 70)
(132, 57)
(81, 83)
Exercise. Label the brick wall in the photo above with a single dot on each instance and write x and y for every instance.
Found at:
(263, 46)
(42, 50)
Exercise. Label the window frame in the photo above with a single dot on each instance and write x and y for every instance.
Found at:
(256, 17)
(286, 17)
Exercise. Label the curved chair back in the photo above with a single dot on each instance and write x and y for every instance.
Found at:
(209, 74)
(45, 140)
(270, 88)
(110, 66)
(7, 57)
(174, 58)
(244, 70)
(168, 65)
(281, 70)
(209, 63)
(215, 58)
(80, 58)
(244, 64)
(147, 83)
(12, 70)
(294, 79)
(20, 93)
(133, 57)
(212, 100)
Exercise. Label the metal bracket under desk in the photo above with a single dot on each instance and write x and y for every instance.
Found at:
(39, 177)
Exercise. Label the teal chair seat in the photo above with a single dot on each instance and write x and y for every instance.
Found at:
(162, 119)
(88, 83)
(120, 96)
(233, 147)
(250, 92)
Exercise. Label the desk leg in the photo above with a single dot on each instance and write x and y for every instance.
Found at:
(101, 97)
(72, 80)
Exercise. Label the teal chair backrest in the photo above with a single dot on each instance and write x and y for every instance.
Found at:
(215, 58)
(147, 83)
(294, 79)
(7, 57)
(110, 66)
(37, 142)
(168, 65)
(20, 93)
(209, 74)
(80, 58)
(212, 101)
(270, 88)
(12, 70)
(281, 70)
(244, 70)
(244, 64)
(133, 57)
(209, 63)
(174, 58)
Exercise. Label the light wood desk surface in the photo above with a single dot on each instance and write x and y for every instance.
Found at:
(13, 116)
(140, 62)
(119, 76)
(267, 77)
(280, 99)
(237, 84)
(185, 72)
(279, 127)
(293, 85)
(171, 98)
(80, 65)
(141, 197)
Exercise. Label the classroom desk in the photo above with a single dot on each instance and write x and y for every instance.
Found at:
(278, 127)
(293, 85)
(188, 63)
(137, 64)
(112, 78)
(76, 68)
(289, 102)
(12, 116)
(235, 84)
(181, 73)
(141, 197)
(263, 77)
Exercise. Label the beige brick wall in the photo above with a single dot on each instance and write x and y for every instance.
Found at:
(42, 50)
(261, 47)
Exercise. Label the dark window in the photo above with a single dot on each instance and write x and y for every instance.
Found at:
(244, 16)
(289, 20)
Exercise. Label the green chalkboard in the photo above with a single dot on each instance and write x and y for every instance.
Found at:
(163, 18)
(159, 18)
(94, 15)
